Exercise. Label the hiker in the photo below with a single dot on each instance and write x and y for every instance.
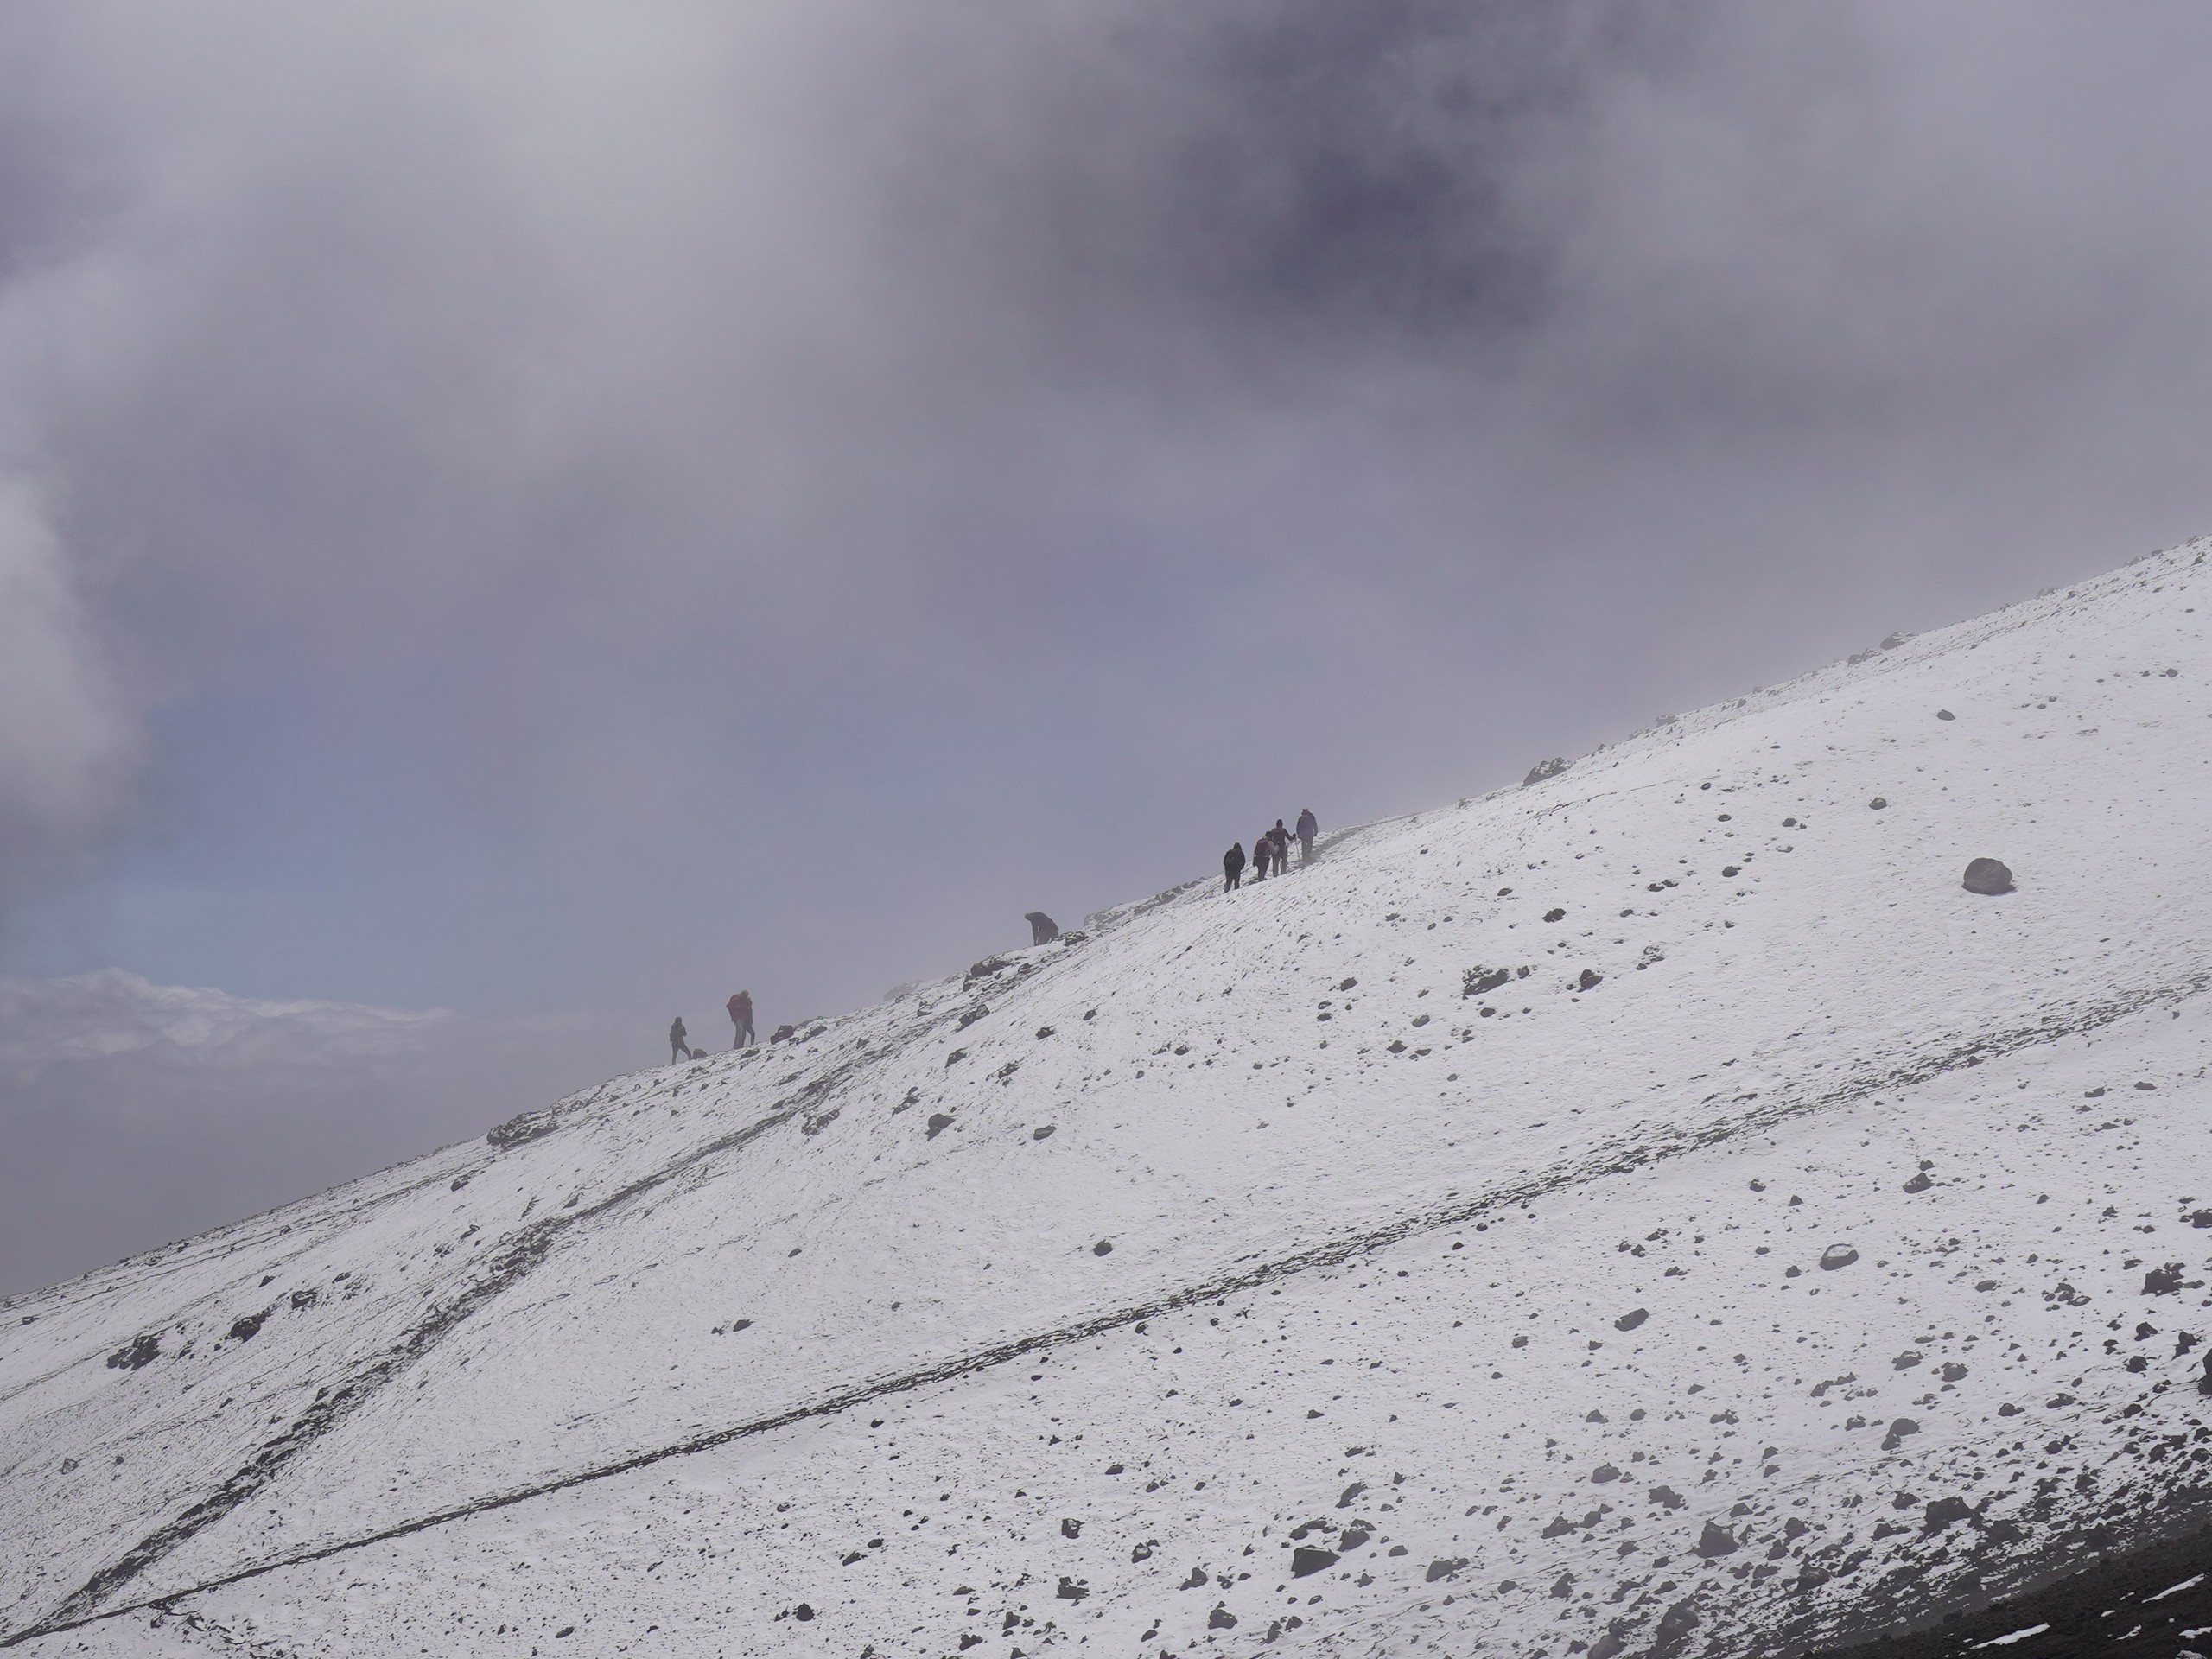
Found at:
(679, 1047)
(1308, 827)
(1279, 838)
(1232, 867)
(1043, 930)
(740, 1019)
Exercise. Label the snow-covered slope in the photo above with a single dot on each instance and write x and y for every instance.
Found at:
(1789, 1243)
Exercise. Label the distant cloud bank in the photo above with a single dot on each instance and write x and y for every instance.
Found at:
(136, 1113)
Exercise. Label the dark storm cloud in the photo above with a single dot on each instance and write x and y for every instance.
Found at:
(551, 506)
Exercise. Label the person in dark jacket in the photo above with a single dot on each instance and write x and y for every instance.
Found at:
(1232, 867)
(1262, 848)
(1043, 930)
(1279, 839)
(740, 1019)
(1308, 827)
(679, 1047)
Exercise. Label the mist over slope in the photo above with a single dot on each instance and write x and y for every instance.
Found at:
(1654, 1209)
(135, 1114)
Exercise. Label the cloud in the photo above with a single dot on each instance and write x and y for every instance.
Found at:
(135, 1113)
(588, 503)
(66, 742)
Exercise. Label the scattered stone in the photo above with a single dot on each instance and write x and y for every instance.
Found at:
(1879, 805)
(1945, 713)
(2146, 1085)
(1306, 1560)
(1477, 981)
(1071, 1590)
(1989, 877)
(247, 1326)
(1898, 1429)
(939, 1122)
(1196, 1582)
(1838, 1255)
(1590, 979)
(1555, 914)
(1103, 1247)
(523, 1126)
(140, 1352)
(1071, 1528)
(2159, 1281)
(1043, 1132)
(1946, 1512)
(1716, 1541)
(1732, 869)
(1544, 769)
(1665, 1497)
(1630, 1320)
(1445, 1569)
(1221, 1618)
(1919, 1183)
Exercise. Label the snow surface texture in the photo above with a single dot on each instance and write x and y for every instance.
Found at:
(1790, 1243)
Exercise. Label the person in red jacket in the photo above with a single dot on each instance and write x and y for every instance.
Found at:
(740, 1019)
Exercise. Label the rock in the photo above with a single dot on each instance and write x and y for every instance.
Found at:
(1899, 1430)
(1838, 1255)
(140, 1352)
(1666, 1498)
(1988, 876)
(783, 1033)
(1071, 1528)
(1878, 804)
(1591, 980)
(1445, 1569)
(1221, 1618)
(1309, 1559)
(1477, 981)
(1071, 1590)
(1675, 1627)
(1196, 1582)
(1630, 1320)
(1895, 640)
(1103, 1247)
(1919, 1183)
(524, 1125)
(1945, 713)
(1716, 1541)
(939, 1122)
(1544, 769)
(1555, 914)
(2159, 1281)
(1043, 1132)
(1945, 1511)
(247, 1326)
(802, 1612)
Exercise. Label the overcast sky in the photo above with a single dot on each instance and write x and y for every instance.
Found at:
(552, 507)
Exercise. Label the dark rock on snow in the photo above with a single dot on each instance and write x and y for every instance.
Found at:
(1988, 876)
(1544, 769)
(1308, 1559)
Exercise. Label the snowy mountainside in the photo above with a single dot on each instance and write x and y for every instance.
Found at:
(1791, 1243)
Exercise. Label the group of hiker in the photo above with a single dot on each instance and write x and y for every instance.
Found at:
(1270, 852)
(740, 1019)
(1270, 855)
